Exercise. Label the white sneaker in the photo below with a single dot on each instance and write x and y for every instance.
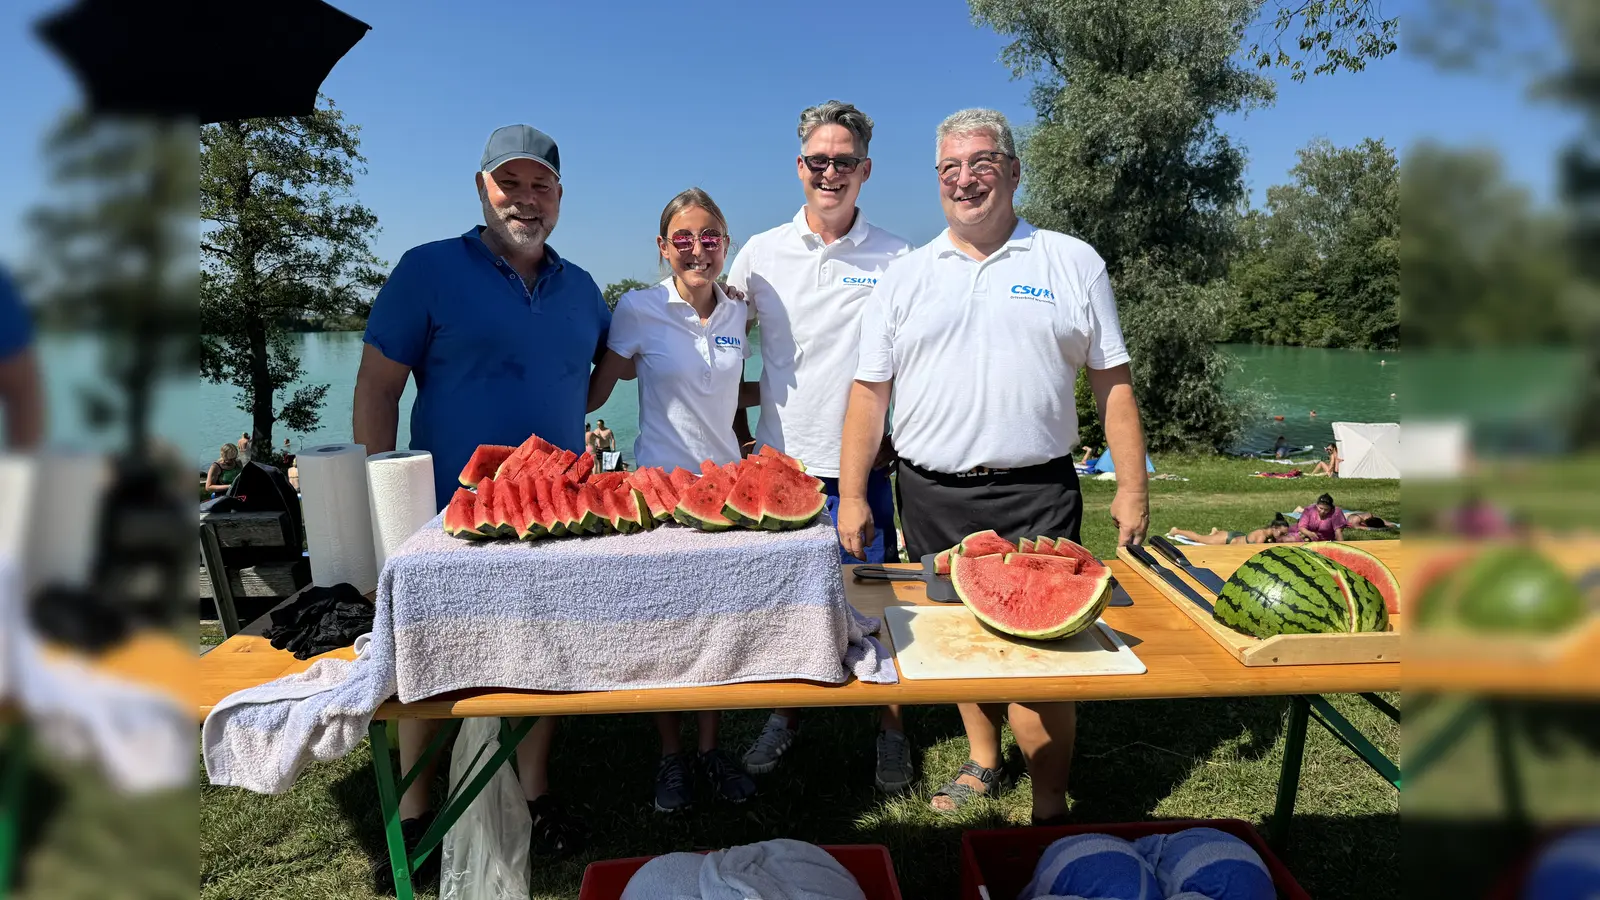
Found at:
(776, 736)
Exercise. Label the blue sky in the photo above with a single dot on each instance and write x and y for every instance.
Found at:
(647, 98)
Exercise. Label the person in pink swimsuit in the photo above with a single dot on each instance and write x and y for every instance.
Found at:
(1323, 521)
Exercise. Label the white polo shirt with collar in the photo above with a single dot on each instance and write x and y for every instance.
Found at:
(688, 374)
(984, 354)
(809, 298)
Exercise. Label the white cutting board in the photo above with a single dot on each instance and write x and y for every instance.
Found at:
(934, 642)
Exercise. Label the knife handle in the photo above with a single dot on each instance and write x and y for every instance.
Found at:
(1144, 557)
(1165, 549)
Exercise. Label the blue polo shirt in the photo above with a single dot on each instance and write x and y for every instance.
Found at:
(495, 359)
(16, 326)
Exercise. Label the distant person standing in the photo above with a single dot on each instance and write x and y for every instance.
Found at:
(591, 446)
(604, 437)
(244, 446)
(499, 333)
(21, 398)
(808, 282)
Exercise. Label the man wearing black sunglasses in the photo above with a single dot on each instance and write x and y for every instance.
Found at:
(808, 282)
(979, 337)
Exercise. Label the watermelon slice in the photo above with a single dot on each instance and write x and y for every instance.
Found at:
(507, 510)
(540, 515)
(665, 491)
(592, 510)
(608, 481)
(631, 513)
(564, 496)
(682, 480)
(483, 510)
(460, 516)
(1028, 602)
(549, 514)
(1364, 564)
(581, 468)
(1089, 564)
(782, 457)
(1044, 545)
(1044, 562)
(985, 543)
(707, 467)
(1027, 545)
(483, 464)
(788, 499)
(702, 505)
(744, 503)
(511, 467)
(941, 562)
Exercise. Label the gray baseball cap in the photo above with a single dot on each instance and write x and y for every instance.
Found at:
(520, 142)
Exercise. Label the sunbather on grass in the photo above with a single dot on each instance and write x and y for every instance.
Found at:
(1275, 533)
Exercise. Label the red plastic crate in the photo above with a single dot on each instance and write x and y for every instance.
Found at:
(869, 863)
(1002, 861)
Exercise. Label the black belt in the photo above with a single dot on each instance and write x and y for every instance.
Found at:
(1059, 465)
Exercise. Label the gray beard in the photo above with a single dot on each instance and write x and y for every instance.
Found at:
(499, 224)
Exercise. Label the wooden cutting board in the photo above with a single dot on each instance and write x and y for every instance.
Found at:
(935, 642)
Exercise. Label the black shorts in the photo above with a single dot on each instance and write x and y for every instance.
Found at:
(938, 510)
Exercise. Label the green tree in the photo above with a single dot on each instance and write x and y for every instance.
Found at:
(614, 291)
(282, 240)
(1126, 154)
(114, 255)
(1320, 267)
(1333, 35)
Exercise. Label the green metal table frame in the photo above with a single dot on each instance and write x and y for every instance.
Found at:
(1302, 708)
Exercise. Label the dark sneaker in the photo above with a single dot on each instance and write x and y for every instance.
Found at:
(775, 740)
(555, 831)
(728, 780)
(674, 783)
(893, 774)
(412, 831)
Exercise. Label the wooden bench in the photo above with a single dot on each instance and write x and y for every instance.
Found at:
(252, 549)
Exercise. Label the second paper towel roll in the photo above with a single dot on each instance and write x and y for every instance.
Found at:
(400, 491)
(333, 495)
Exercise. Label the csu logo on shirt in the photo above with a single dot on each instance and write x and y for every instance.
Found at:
(1028, 290)
(857, 280)
(727, 340)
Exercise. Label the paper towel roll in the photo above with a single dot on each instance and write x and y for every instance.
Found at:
(333, 496)
(16, 505)
(61, 546)
(400, 491)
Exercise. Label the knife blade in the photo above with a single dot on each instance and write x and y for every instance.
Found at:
(1212, 581)
(1171, 578)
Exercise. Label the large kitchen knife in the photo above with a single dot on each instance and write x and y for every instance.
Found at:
(1170, 577)
(1210, 579)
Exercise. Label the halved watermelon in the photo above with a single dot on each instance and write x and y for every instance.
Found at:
(1029, 602)
(985, 543)
(1364, 564)
(1044, 562)
(702, 505)
(484, 462)
(460, 516)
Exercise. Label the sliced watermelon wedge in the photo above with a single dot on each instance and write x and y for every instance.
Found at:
(484, 462)
(986, 543)
(702, 505)
(511, 468)
(460, 516)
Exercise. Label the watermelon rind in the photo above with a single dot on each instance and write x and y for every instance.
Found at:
(1364, 564)
(1027, 545)
(1284, 590)
(1368, 611)
(1035, 587)
(1517, 590)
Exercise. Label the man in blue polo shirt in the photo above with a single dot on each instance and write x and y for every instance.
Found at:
(20, 396)
(499, 332)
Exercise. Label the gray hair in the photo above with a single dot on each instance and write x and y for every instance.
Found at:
(834, 112)
(976, 119)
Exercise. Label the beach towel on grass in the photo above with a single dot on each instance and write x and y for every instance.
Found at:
(672, 607)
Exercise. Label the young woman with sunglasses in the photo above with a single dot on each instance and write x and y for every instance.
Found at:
(685, 341)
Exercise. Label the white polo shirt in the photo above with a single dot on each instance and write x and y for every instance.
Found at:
(689, 374)
(809, 298)
(984, 355)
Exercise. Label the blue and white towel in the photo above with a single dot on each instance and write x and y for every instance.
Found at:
(1194, 864)
(1568, 869)
(672, 607)
(780, 869)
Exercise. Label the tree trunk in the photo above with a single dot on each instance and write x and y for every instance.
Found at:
(260, 388)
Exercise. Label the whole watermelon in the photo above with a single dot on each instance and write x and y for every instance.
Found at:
(1284, 590)
(1516, 589)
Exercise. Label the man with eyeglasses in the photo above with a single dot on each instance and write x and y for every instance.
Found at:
(978, 338)
(808, 282)
(499, 332)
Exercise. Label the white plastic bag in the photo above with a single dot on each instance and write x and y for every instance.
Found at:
(485, 855)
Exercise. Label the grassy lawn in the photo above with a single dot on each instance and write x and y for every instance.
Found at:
(1135, 760)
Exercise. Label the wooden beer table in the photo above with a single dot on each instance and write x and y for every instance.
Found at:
(1182, 662)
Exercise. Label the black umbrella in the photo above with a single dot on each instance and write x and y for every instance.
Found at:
(216, 59)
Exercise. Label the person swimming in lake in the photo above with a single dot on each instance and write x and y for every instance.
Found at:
(1276, 532)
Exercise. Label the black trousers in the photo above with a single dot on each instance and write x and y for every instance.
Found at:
(938, 510)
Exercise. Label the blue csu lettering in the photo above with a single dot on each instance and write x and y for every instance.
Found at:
(728, 340)
(1027, 290)
(859, 280)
